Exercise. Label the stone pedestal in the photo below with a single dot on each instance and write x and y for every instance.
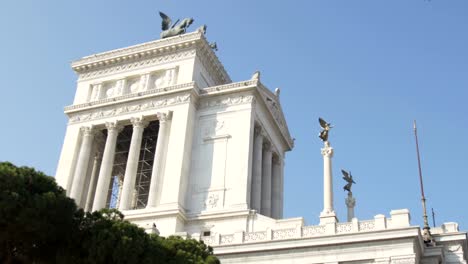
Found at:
(328, 214)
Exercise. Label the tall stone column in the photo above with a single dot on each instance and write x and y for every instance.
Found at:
(276, 188)
(157, 172)
(132, 163)
(92, 183)
(281, 203)
(256, 195)
(266, 179)
(82, 164)
(350, 203)
(328, 214)
(107, 164)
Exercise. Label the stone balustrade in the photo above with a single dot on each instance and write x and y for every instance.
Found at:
(399, 219)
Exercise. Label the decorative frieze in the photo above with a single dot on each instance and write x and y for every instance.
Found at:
(284, 233)
(226, 239)
(368, 225)
(134, 65)
(134, 84)
(129, 108)
(255, 236)
(342, 228)
(173, 88)
(229, 86)
(227, 101)
(310, 231)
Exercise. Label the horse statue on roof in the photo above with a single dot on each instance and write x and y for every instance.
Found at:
(175, 29)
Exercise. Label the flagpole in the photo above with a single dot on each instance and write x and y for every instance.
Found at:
(426, 229)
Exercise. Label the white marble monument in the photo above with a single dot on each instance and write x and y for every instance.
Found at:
(159, 131)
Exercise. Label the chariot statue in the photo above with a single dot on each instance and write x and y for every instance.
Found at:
(175, 29)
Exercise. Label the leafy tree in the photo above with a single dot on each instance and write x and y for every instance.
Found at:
(37, 220)
(39, 224)
(188, 251)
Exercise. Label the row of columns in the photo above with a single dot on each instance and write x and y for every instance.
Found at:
(267, 178)
(107, 163)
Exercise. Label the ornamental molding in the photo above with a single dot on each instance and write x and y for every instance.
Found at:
(159, 46)
(135, 64)
(327, 152)
(127, 108)
(151, 53)
(211, 63)
(229, 86)
(226, 101)
(152, 92)
(274, 107)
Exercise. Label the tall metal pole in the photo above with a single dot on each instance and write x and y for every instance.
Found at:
(426, 229)
(433, 217)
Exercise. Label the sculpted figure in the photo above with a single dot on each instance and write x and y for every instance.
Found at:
(349, 179)
(175, 29)
(325, 128)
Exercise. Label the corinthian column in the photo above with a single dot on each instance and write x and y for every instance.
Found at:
(328, 214)
(256, 195)
(132, 163)
(107, 164)
(350, 203)
(82, 164)
(266, 179)
(276, 188)
(157, 171)
(92, 183)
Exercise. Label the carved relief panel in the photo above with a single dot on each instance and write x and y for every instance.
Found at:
(133, 84)
(161, 79)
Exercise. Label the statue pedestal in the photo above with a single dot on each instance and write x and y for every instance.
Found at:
(328, 217)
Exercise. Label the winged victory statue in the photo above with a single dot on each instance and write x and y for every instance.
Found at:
(325, 128)
(349, 179)
(170, 30)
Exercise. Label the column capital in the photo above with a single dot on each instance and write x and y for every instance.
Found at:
(113, 126)
(163, 117)
(327, 151)
(258, 130)
(276, 159)
(350, 201)
(267, 146)
(88, 130)
(139, 122)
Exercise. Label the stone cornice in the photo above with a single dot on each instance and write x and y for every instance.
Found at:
(130, 57)
(211, 63)
(160, 46)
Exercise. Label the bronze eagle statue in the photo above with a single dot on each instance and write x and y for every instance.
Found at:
(175, 29)
(349, 179)
(325, 128)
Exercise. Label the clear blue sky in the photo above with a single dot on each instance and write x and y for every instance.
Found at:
(369, 67)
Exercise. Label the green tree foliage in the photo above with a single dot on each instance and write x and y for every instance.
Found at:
(39, 224)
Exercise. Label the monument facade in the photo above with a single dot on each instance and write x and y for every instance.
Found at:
(159, 131)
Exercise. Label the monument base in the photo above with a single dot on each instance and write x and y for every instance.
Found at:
(328, 217)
